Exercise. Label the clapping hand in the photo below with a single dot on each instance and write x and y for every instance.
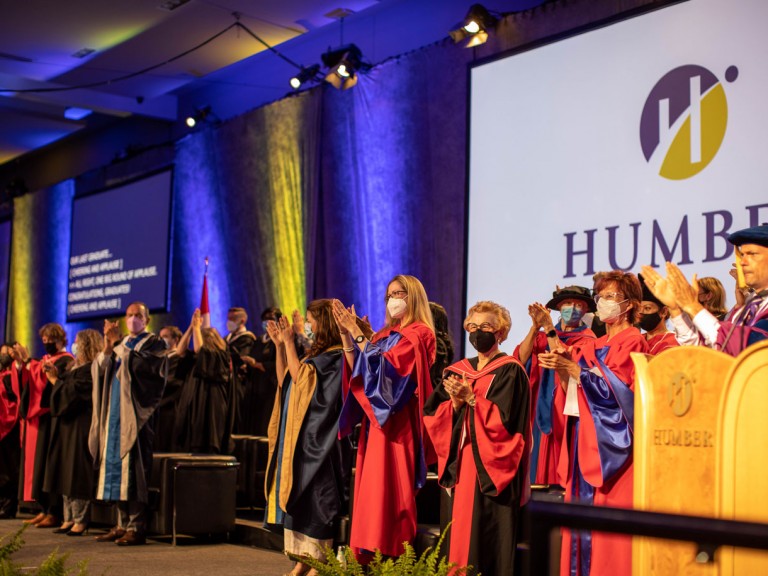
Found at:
(686, 295)
(111, 335)
(298, 323)
(561, 362)
(274, 333)
(346, 319)
(458, 389)
(197, 319)
(540, 316)
(660, 287)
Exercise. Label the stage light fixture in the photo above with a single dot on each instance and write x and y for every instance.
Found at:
(305, 75)
(475, 26)
(343, 65)
(199, 116)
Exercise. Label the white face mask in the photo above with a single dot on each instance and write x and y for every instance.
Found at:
(609, 311)
(168, 343)
(308, 332)
(397, 307)
(74, 349)
(135, 325)
(232, 326)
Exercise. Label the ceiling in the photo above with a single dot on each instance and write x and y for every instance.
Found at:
(55, 55)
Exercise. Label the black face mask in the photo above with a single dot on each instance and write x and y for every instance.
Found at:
(649, 321)
(482, 341)
(51, 348)
(5, 361)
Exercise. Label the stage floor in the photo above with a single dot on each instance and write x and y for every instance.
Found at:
(189, 558)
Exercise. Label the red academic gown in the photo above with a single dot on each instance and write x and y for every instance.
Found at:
(547, 428)
(660, 342)
(9, 403)
(482, 455)
(386, 393)
(596, 461)
(36, 420)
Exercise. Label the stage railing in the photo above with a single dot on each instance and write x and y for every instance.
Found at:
(708, 533)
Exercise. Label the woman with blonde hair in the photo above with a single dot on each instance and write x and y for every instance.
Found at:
(70, 467)
(389, 384)
(478, 419)
(712, 296)
(205, 412)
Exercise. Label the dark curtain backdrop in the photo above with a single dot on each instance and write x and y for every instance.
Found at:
(324, 194)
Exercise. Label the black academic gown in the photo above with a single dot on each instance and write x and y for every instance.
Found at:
(10, 449)
(204, 422)
(70, 467)
(241, 345)
(165, 415)
(264, 386)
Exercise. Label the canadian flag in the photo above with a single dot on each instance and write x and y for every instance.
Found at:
(205, 310)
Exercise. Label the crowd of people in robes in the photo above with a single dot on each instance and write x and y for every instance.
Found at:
(558, 411)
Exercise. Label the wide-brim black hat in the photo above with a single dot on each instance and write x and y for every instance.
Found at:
(755, 235)
(572, 293)
(647, 294)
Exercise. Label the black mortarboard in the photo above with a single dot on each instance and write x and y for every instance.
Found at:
(755, 235)
(572, 293)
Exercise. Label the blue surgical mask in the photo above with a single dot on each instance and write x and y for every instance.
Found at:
(570, 315)
(264, 326)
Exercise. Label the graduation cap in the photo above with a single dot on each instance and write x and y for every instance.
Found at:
(572, 293)
(755, 235)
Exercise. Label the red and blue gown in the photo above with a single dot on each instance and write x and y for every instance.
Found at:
(386, 393)
(10, 452)
(660, 342)
(35, 413)
(595, 464)
(482, 457)
(546, 428)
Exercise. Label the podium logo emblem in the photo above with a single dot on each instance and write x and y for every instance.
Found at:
(680, 394)
(684, 119)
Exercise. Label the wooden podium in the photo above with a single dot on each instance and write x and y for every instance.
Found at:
(677, 395)
(743, 460)
(701, 448)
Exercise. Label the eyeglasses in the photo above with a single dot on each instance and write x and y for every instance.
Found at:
(485, 327)
(610, 296)
(399, 294)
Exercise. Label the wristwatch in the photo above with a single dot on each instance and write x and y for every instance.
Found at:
(360, 339)
(552, 333)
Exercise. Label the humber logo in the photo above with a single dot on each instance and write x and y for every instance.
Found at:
(683, 121)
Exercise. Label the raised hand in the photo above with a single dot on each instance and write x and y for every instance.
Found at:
(686, 295)
(274, 333)
(660, 288)
(540, 316)
(286, 330)
(298, 323)
(197, 319)
(345, 318)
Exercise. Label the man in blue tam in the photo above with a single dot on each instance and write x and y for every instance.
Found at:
(744, 325)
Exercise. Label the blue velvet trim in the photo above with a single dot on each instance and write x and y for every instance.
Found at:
(386, 390)
(611, 406)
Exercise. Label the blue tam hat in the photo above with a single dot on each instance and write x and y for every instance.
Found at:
(755, 235)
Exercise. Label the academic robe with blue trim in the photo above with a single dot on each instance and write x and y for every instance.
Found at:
(596, 461)
(546, 427)
(308, 466)
(482, 458)
(127, 388)
(386, 392)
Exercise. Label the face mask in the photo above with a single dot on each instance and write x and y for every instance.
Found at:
(264, 326)
(135, 325)
(232, 326)
(51, 348)
(571, 315)
(74, 349)
(168, 343)
(5, 361)
(482, 341)
(308, 331)
(396, 307)
(649, 321)
(609, 311)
